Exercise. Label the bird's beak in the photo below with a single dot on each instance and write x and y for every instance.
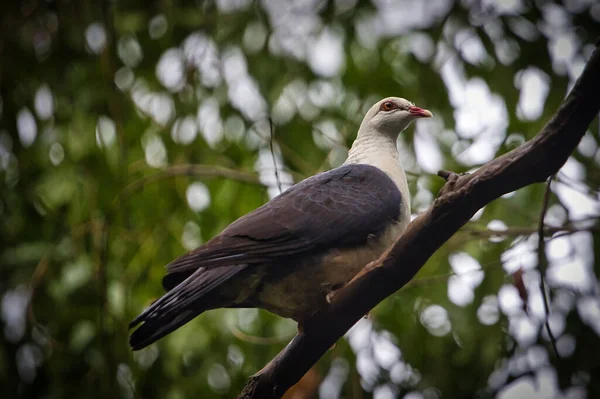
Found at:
(420, 112)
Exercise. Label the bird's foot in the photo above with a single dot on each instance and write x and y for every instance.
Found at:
(335, 292)
(451, 180)
(330, 295)
(330, 298)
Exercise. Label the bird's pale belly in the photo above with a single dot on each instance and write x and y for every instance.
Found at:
(301, 293)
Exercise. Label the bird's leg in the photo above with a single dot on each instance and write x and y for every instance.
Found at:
(334, 292)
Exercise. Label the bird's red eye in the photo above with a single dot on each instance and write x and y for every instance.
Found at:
(388, 106)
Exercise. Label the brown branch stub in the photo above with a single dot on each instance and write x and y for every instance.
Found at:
(445, 174)
(454, 181)
(531, 163)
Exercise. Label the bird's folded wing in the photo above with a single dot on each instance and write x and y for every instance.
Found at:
(338, 208)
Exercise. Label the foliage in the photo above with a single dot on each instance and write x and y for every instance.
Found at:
(130, 133)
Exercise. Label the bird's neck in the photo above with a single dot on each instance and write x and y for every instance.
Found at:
(379, 150)
(371, 148)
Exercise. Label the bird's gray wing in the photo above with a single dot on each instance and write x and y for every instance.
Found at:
(338, 208)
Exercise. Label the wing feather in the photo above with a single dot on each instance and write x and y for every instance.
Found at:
(341, 207)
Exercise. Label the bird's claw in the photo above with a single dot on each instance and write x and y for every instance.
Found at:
(334, 292)
(330, 295)
(451, 179)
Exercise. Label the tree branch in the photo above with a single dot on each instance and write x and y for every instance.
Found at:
(459, 199)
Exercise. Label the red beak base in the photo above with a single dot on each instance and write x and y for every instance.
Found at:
(420, 112)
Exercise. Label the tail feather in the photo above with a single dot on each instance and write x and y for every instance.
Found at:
(172, 280)
(178, 306)
(153, 330)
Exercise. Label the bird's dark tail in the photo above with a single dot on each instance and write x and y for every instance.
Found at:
(178, 306)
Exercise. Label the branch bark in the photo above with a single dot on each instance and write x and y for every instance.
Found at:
(458, 201)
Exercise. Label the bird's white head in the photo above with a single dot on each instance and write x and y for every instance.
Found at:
(376, 139)
(392, 115)
(375, 143)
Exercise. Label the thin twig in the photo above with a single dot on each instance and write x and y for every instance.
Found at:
(115, 109)
(543, 263)
(291, 155)
(253, 339)
(271, 137)
(38, 273)
(577, 185)
(523, 231)
(187, 170)
(441, 278)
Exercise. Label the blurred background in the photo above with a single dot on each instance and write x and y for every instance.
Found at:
(133, 131)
